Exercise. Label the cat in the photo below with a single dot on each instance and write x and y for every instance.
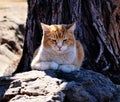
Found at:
(59, 50)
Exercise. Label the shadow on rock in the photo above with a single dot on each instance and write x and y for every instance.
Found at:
(56, 86)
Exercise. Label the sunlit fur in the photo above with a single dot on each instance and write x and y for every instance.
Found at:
(58, 34)
(59, 49)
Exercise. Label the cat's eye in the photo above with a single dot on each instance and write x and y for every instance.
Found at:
(64, 40)
(54, 41)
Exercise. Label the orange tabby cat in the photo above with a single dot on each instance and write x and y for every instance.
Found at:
(58, 50)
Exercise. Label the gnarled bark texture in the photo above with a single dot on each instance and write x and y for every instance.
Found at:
(98, 29)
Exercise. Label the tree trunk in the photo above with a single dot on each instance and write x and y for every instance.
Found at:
(98, 29)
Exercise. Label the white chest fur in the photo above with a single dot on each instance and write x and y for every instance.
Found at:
(61, 58)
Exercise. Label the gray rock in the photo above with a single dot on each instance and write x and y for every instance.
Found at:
(53, 86)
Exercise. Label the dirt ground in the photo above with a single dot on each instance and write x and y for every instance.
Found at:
(13, 15)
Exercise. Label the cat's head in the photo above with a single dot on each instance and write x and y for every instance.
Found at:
(58, 38)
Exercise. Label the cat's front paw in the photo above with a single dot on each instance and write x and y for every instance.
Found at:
(67, 68)
(54, 65)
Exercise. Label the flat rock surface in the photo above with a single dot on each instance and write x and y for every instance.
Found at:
(55, 86)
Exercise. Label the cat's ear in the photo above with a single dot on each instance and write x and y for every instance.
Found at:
(71, 27)
(45, 28)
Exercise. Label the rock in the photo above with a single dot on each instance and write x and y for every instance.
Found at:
(55, 86)
(9, 54)
(7, 58)
(12, 30)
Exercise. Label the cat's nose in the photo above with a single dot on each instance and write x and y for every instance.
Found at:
(59, 47)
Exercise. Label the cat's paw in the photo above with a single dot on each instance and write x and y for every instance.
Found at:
(67, 68)
(54, 65)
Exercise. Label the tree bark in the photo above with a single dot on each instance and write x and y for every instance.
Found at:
(98, 29)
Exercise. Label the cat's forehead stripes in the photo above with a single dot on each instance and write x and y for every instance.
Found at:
(57, 31)
(56, 27)
(58, 35)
